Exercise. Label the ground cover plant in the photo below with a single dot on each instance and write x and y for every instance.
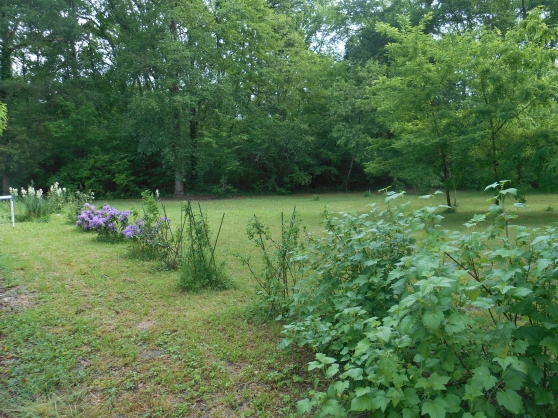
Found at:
(87, 331)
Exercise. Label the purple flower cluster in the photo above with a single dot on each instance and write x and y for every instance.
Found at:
(106, 221)
(143, 231)
(133, 231)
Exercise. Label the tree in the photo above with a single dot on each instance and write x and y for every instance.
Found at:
(509, 79)
(420, 99)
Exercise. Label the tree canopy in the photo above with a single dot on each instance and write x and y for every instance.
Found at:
(277, 96)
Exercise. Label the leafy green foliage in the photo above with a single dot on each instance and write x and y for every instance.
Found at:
(409, 319)
(76, 202)
(3, 117)
(279, 273)
(199, 268)
(152, 236)
(33, 204)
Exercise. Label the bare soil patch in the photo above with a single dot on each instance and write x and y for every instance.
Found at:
(14, 298)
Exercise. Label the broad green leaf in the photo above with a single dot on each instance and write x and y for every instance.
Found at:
(483, 377)
(314, 365)
(426, 264)
(380, 401)
(304, 406)
(332, 370)
(355, 374)
(411, 396)
(360, 391)
(432, 319)
(472, 292)
(383, 333)
(332, 407)
(472, 392)
(322, 358)
(453, 403)
(435, 409)
(337, 388)
(399, 379)
(511, 190)
(520, 292)
(438, 382)
(362, 347)
(387, 366)
(541, 238)
(410, 412)
(504, 362)
(510, 400)
(427, 285)
(514, 379)
(396, 395)
(362, 403)
(456, 323)
(483, 303)
(551, 343)
(542, 264)
(543, 397)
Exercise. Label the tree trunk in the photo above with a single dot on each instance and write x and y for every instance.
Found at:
(194, 133)
(5, 185)
(178, 184)
(349, 174)
(5, 61)
(494, 157)
(445, 172)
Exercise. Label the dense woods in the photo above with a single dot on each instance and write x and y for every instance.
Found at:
(278, 95)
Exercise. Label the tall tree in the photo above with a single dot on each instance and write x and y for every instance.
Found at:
(420, 99)
(509, 78)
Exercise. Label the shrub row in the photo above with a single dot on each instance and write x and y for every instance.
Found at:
(186, 247)
(409, 319)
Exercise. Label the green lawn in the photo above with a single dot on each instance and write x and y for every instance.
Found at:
(86, 331)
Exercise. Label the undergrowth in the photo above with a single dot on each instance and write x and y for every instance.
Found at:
(409, 319)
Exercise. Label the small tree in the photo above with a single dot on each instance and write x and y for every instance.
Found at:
(420, 100)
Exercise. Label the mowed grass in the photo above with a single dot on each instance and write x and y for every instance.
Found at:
(88, 331)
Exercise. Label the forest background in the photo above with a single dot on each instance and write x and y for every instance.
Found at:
(277, 96)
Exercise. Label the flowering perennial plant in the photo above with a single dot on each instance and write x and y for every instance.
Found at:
(76, 203)
(57, 196)
(36, 204)
(146, 233)
(107, 221)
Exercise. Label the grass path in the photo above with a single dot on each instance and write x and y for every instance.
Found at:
(86, 331)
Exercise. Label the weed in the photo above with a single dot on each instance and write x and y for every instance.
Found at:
(279, 274)
(199, 268)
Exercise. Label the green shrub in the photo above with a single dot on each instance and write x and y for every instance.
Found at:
(152, 236)
(76, 203)
(199, 268)
(275, 281)
(412, 320)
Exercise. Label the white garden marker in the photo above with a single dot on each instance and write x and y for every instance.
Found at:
(11, 199)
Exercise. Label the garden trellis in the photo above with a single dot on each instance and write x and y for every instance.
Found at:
(11, 199)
